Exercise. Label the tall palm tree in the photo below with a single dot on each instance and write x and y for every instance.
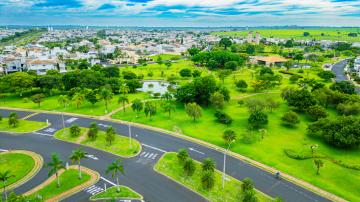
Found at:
(123, 99)
(229, 136)
(4, 177)
(55, 164)
(76, 156)
(115, 168)
(106, 95)
(63, 100)
(78, 99)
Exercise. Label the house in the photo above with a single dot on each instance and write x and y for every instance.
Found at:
(41, 66)
(268, 61)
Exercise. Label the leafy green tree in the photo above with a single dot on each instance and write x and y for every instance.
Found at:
(75, 131)
(298, 57)
(232, 65)
(217, 100)
(225, 42)
(4, 178)
(56, 164)
(271, 104)
(76, 156)
(316, 112)
(207, 180)
(159, 60)
(185, 72)
(91, 96)
(49, 82)
(290, 118)
(348, 108)
(241, 85)
(93, 131)
(196, 73)
(123, 99)
(110, 135)
(137, 106)
(182, 155)
(193, 51)
(38, 98)
(169, 107)
(133, 84)
(208, 164)
(247, 184)
(229, 136)
(13, 119)
(150, 109)
(343, 86)
(193, 110)
(189, 167)
(302, 99)
(168, 64)
(248, 192)
(257, 119)
(78, 98)
(116, 168)
(17, 82)
(318, 163)
(106, 95)
(63, 100)
(223, 74)
(326, 75)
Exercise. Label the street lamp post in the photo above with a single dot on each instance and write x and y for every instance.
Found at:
(130, 135)
(224, 166)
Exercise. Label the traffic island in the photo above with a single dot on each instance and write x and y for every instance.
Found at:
(23, 165)
(23, 126)
(169, 166)
(119, 146)
(111, 193)
(69, 184)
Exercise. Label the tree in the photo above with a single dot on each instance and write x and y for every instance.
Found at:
(17, 82)
(348, 108)
(193, 51)
(225, 42)
(255, 104)
(232, 65)
(123, 99)
(169, 107)
(196, 73)
(75, 131)
(168, 64)
(223, 118)
(4, 177)
(76, 156)
(343, 86)
(159, 60)
(116, 168)
(306, 34)
(316, 112)
(241, 85)
(91, 96)
(193, 110)
(93, 131)
(189, 167)
(298, 57)
(137, 106)
(38, 98)
(63, 100)
(247, 184)
(106, 95)
(56, 165)
(222, 74)
(13, 119)
(133, 84)
(185, 72)
(182, 155)
(326, 75)
(217, 100)
(248, 192)
(49, 82)
(271, 104)
(302, 99)
(78, 99)
(207, 180)
(290, 118)
(208, 165)
(318, 163)
(257, 119)
(110, 135)
(229, 136)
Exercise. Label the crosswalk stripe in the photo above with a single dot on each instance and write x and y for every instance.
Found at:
(142, 154)
(150, 156)
(147, 154)
(154, 156)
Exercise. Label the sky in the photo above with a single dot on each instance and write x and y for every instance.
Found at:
(181, 13)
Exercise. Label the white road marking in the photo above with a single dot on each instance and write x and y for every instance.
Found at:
(94, 190)
(3, 150)
(92, 157)
(43, 134)
(50, 130)
(142, 153)
(103, 125)
(192, 149)
(154, 156)
(108, 181)
(70, 120)
(146, 155)
(154, 148)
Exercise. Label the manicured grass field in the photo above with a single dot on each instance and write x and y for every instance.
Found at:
(169, 165)
(68, 180)
(121, 145)
(24, 126)
(19, 165)
(111, 193)
(334, 34)
(166, 57)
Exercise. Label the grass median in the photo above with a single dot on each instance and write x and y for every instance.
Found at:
(111, 193)
(120, 146)
(169, 166)
(24, 126)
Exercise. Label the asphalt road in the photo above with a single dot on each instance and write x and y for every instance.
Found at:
(338, 69)
(139, 170)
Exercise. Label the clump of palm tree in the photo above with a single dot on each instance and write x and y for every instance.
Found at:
(76, 156)
(116, 168)
(56, 164)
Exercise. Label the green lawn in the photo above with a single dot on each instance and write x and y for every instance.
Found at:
(68, 180)
(119, 147)
(111, 193)
(169, 165)
(19, 165)
(334, 34)
(166, 57)
(24, 126)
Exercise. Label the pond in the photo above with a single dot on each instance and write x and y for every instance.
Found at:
(155, 86)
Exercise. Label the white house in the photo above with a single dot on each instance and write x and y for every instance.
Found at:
(41, 66)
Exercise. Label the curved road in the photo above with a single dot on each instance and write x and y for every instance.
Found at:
(338, 69)
(139, 170)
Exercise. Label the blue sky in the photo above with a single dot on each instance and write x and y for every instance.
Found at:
(181, 12)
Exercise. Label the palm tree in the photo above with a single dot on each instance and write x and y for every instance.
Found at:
(115, 168)
(106, 95)
(63, 100)
(4, 177)
(56, 164)
(124, 89)
(123, 99)
(208, 180)
(182, 155)
(208, 165)
(76, 156)
(137, 106)
(318, 163)
(78, 99)
(229, 136)
(169, 107)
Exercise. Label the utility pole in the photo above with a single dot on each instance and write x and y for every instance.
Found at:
(130, 135)
(224, 166)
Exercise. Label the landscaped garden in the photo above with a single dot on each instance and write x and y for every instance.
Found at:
(15, 125)
(204, 180)
(112, 194)
(104, 140)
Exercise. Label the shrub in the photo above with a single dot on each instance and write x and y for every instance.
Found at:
(294, 78)
(300, 71)
(241, 85)
(182, 155)
(316, 112)
(223, 118)
(189, 167)
(75, 131)
(257, 119)
(290, 118)
(185, 72)
(349, 108)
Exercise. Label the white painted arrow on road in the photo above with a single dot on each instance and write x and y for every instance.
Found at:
(194, 150)
(92, 157)
(3, 150)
